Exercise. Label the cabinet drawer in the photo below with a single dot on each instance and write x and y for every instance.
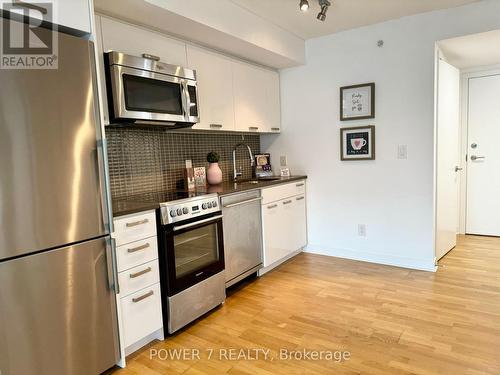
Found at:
(136, 253)
(141, 314)
(276, 193)
(135, 227)
(138, 278)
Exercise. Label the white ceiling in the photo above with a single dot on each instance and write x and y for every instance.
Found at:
(472, 51)
(342, 15)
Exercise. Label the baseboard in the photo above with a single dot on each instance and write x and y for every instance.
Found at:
(265, 270)
(388, 260)
(157, 335)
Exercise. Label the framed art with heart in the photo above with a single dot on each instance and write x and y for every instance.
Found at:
(357, 143)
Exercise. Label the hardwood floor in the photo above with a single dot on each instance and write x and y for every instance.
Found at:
(390, 320)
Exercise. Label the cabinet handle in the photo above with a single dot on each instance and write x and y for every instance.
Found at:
(138, 248)
(272, 206)
(275, 129)
(287, 202)
(30, 6)
(253, 128)
(136, 223)
(151, 57)
(140, 273)
(216, 126)
(299, 198)
(144, 296)
(299, 185)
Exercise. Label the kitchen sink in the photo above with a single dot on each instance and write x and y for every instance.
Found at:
(258, 180)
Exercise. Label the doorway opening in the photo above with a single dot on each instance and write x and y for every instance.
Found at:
(467, 132)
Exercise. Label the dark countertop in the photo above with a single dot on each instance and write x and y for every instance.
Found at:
(148, 202)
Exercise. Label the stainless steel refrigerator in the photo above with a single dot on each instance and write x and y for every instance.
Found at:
(57, 297)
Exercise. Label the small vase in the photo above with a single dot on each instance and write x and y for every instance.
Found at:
(214, 174)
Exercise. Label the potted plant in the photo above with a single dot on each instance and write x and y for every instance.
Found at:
(214, 173)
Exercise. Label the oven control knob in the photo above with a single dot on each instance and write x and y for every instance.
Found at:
(173, 213)
(185, 211)
(214, 204)
(204, 206)
(209, 204)
(179, 212)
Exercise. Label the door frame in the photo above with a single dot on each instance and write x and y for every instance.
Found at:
(466, 75)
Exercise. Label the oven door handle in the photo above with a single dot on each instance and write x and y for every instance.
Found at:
(215, 218)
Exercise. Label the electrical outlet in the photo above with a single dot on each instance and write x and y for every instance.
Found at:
(283, 161)
(362, 230)
(402, 152)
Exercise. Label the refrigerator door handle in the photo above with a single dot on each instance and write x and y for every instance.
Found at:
(112, 266)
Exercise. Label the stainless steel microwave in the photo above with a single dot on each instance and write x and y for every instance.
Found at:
(146, 91)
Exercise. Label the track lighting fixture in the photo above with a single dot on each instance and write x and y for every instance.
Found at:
(304, 5)
(324, 5)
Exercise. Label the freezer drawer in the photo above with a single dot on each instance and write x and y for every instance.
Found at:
(58, 312)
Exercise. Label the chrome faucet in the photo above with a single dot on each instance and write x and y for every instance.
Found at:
(252, 161)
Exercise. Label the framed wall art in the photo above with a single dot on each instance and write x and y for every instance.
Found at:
(357, 143)
(357, 102)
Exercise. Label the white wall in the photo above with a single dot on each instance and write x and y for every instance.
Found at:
(394, 198)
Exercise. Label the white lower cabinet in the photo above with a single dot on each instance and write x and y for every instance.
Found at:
(139, 301)
(284, 221)
(140, 314)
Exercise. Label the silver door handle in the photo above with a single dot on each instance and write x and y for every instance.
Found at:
(299, 185)
(474, 157)
(458, 169)
(242, 203)
(287, 202)
(150, 57)
(216, 126)
(138, 248)
(299, 198)
(253, 128)
(275, 129)
(136, 223)
(114, 266)
(272, 206)
(140, 273)
(144, 296)
(198, 223)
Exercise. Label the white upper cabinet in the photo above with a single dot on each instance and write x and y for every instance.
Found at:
(74, 14)
(215, 88)
(133, 40)
(249, 97)
(256, 99)
(273, 111)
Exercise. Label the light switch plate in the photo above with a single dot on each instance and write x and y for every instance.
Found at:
(283, 161)
(362, 230)
(402, 152)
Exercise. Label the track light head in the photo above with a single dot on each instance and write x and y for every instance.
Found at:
(304, 5)
(324, 4)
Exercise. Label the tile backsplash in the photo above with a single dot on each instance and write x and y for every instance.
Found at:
(144, 160)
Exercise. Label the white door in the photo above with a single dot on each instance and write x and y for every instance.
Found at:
(448, 141)
(483, 156)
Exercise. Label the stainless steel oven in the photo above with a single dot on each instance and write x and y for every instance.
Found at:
(191, 255)
(147, 91)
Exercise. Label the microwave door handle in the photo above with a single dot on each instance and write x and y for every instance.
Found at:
(186, 101)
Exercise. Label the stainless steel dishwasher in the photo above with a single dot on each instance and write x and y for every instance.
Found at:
(242, 228)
